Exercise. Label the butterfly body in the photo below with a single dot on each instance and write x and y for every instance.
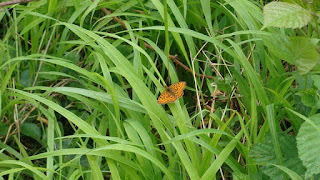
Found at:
(172, 93)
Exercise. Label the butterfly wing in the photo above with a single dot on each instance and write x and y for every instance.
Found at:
(166, 97)
(177, 89)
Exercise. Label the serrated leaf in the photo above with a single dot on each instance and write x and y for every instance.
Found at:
(286, 15)
(263, 153)
(309, 146)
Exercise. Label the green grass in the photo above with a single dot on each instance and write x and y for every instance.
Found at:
(79, 88)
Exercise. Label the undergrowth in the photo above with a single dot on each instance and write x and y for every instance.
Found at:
(80, 82)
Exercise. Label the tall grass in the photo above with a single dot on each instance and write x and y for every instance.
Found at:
(80, 82)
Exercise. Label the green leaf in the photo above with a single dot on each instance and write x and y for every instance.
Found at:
(225, 84)
(34, 170)
(31, 130)
(317, 66)
(286, 15)
(316, 80)
(73, 56)
(279, 45)
(26, 78)
(305, 54)
(4, 129)
(256, 176)
(299, 51)
(292, 174)
(309, 146)
(214, 167)
(310, 98)
(263, 153)
(240, 176)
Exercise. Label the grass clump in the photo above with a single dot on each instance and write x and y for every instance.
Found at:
(80, 82)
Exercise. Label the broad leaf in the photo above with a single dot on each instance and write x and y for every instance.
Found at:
(263, 153)
(305, 54)
(286, 15)
(280, 46)
(256, 176)
(316, 80)
(309, 146)
(299, 51)
(310, 98)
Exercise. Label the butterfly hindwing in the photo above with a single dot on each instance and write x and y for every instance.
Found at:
(166, 97)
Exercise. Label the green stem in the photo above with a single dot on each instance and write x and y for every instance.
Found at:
(166, 31)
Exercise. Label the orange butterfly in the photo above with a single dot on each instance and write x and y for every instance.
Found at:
(172, 93)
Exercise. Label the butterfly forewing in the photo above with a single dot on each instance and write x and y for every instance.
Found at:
(177, 89)
(172, 93)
